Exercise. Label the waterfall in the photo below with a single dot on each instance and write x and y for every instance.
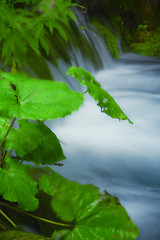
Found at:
(101, 58)
(113, 155)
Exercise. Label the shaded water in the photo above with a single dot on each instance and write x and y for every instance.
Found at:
(122, 158)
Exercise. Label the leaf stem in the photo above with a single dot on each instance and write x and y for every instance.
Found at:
(3, 157)
(2, 143)
(8, 219)
(6, 156)
(33, 216)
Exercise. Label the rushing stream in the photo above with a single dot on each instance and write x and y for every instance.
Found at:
(121, 158)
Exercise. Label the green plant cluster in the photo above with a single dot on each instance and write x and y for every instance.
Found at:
(142, 26)
(25, 26)
(77, 211)
(148, 42)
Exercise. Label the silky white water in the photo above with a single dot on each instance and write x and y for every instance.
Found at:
(121, 158)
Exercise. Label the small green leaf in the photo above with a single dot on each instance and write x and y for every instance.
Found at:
(90, 214)
(71, 14)
(105, 101)
(61, 31)
(44, 43)
(17, 186)
(36, 99)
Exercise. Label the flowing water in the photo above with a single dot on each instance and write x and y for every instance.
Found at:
(121, 158)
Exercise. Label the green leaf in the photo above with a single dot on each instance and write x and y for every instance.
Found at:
(44, 44)
(17, 186)
(58, 15)
(90, 214)
(71, 14)
(24, 139)
(22, 29)
(61, 31)
(36, 99)
(19, 235)
(35, 143)
(48, 183)
(14, 41)
(105, 101)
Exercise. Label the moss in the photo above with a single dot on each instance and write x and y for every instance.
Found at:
(143, 48)
(148, 42)
(108, 36)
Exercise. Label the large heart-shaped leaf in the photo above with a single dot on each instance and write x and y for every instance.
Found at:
(19, 235)
(17, 186)
(35, 142)
(28, 98)
(91, 215)
(105, 101)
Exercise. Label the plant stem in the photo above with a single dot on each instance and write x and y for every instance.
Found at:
(5, 156)
(2, 143)
(33, 216)
(8, 219)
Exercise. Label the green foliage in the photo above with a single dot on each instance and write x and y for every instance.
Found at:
(19, 235)
(22, 97)
(142, 26)
(143, 48)
(35, 142)
(105, 101)
(91, 215)
(24, 26)
(148, 42)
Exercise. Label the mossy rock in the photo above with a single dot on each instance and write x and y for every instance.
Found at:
(108, 36)
(143, 48)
